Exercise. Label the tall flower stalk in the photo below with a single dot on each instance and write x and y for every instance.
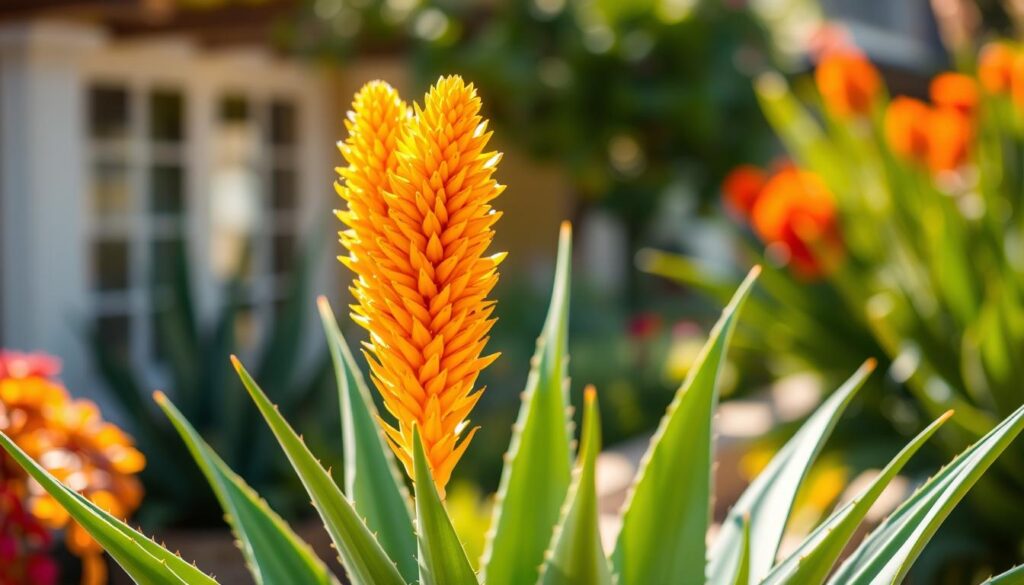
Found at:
(419, 185)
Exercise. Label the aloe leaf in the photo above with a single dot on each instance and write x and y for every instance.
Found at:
(145, 561)
(538, 466)
(769, 498)
(372, 479)
(274, 553)
(442, 558)
(814, 558)
(667, 511)
(886, 555)
(743, 571)
(1014, 576)
(576, 555)
(361, 554)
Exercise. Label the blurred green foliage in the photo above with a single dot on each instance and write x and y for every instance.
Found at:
(630, 98)
(195, 356)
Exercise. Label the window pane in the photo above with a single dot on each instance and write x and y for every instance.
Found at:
(234, 108)
(167, 255)
(166, 116)
(115, 332)
(111, 191)
(235, 196)
(110, 264)
(283, 183)
(167, 183)
(283, 121)
(109, 112)
(283, 253)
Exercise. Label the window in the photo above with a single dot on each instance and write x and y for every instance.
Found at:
(254, 202)
(143, 169)
(138, 201)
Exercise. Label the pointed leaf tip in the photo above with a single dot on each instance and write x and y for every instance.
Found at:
(565, 229)
(442, 558)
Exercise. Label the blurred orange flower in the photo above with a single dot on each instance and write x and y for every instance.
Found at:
(938, 138)
(71, 440)
(741, 188)
(995, 67)
(949, 139)
(956, 91)
(1017, 80)
(796, 214)
(848, 82)
(906, 128)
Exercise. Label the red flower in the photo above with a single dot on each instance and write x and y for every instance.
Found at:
(906, 128)
(796, 216)
(848, 83)
(741, 188)
(949, 139)
(995, 67)
(956, 91)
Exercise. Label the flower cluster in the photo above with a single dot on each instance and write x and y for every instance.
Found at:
(72, 441)
(24, 544)
(792, 211)
(418, 186)
(936, 136)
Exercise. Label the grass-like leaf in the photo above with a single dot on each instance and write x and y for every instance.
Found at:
(442, 558)
(743, 570)
(886, 555)
(145, 561)
(814, 558)
(668, 509)
(769, 498)
(538, 467)
(274, 553)
(372, 478)
(361, 554)
(576, 556)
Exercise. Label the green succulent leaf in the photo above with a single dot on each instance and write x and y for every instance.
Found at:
(360, 552)
(372, 479)
(887, 554)
(145, 561)
(538, 471)
(576, 556)
(769, 498)
(668, 510)
(813, 559)
(274, 553)
(743, 571)
(442, 558)
(1014, 576)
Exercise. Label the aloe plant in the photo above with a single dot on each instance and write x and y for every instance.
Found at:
(385, 537)
(545, 525)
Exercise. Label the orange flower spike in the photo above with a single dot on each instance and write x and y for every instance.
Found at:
(995, 67)
(956, 91)
(425, 299)
(848, 83)
(741, 188)
(377, 119)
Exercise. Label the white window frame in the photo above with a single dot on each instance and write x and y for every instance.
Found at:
(204, 78)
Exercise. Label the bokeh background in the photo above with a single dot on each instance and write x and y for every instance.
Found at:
(166, 171)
